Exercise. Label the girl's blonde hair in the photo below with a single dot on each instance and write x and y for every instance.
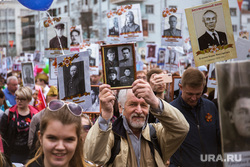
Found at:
(66, 118)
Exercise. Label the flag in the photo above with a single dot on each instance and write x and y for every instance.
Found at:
(40, 103)
(240, 3)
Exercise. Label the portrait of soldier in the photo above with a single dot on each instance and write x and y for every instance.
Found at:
(91, 59)
(54, 43)
(127, 57)
(211, 37)
(161, 56)
(172, 30)
(112, 78)
(75, 37)
(75, 84)
(115, 29)
(130, 25)
(28, 76)
(111, 59)
(126, 79)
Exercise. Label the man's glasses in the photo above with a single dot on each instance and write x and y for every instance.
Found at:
(75, 109)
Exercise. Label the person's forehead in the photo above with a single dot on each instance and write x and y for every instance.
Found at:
(73, 68)
(209, 15)
(173, 19)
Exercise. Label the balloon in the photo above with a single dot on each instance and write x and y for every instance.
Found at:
(46, 69)
(40, 5)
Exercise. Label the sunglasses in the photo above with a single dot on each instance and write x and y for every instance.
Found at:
(74, 108)
(86, 127)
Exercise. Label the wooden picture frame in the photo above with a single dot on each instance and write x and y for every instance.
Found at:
(118, 71)
(175, 87)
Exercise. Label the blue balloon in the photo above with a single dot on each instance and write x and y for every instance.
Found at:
(40, 5)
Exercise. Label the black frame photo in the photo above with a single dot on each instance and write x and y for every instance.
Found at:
(28, 75)
(119, 65)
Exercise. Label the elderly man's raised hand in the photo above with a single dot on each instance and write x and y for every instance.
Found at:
(107, 100)
(142, 89)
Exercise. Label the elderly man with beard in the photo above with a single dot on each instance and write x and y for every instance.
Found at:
(135, 146)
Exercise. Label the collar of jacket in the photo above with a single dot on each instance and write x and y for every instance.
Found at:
(33, 110)
(118, 127)
(185, 105)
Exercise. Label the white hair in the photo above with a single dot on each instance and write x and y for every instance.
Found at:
(11, 78)
(122, 97)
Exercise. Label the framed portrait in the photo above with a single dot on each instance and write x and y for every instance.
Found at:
(52, 72)
(151, 53)
(28, 74)
(171, 27)
(119, 65)
(76, 35)
(95, 107)
(175, 87)
(74, 79)
(211, 42)
(130, 23)
(171, 60)
(37, 56)
(211, 81)
(56, 36)
(233, 102)
(9, 63)
(142, 51)
(161, 54)
(113, 30)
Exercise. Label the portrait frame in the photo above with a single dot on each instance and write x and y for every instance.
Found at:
(175, 87)
(96, 104)
(151, 56)
(210, 53)
(79, 80)
(28, 80)
(50, 33)
(169, 39)
(133, 35)
(160, 60)
(112, 36)
(80, 39)
(233, 85)
(117, 49)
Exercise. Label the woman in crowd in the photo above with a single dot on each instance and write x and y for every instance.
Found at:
(60, 138)
(14, 126)
(3, 104)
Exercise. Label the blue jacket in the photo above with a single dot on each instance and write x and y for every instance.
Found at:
(203, 136)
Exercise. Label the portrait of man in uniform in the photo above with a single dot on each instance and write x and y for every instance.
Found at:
(127, 57)
(28, 79)
(75, 37)
(111, 58)
(130, 25)
(211, 37)
(127, 79)
(112, 78)
(54, 43)
(115, 29)
(172, 30)
(91, 59)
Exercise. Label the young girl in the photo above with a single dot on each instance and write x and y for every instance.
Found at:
(60, 139)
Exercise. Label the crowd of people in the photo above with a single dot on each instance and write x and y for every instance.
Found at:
(142, 126)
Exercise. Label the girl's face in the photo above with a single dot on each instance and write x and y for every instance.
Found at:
(59, 143)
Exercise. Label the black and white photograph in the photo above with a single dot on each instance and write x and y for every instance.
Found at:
(114, 26)
(161, 56)
(60, 35)
(175, 87)
(73, 78)
(28, 57)
(28, 75)
(52, 72)
(125, 56)
(142, 52)
(151, 54)
(119, 65)
(75, 35)
(243, 49)
(211, 82)
(209, 27)
(172, 26)
(126, 76)
(130, 23)
(234, 98)
(213, 29)
(37, 56)
(172, 60)
(95, 107)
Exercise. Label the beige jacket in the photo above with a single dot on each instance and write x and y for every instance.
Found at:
(170, 133)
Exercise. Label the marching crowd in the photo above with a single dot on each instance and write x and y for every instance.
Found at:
(142, 126)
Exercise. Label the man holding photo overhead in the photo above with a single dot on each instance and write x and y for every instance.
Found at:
(211, 37)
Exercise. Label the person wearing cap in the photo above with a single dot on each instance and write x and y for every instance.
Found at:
(237, 107)
(130, 25)
(42, 80)
(35, 121)
(111, 59)
(112, 78)
(54, 43)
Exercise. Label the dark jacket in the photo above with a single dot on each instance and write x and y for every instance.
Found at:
(8, 127)
(206, 40)
(54, 43)
(203, 136)
(37, 163)
(113, 32)
(74, 86)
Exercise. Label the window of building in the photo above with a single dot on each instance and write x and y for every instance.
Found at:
(59, 11)
(11, 24)
(234, 28)
(151, 27)
(150, 9)
(95, 16)
(86, 2)
(248, 20)
(103, 0)
(233, 11)
(65, 9)
(95, 1)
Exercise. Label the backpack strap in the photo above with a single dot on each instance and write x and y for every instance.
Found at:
(154, 140)
(115, 149)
